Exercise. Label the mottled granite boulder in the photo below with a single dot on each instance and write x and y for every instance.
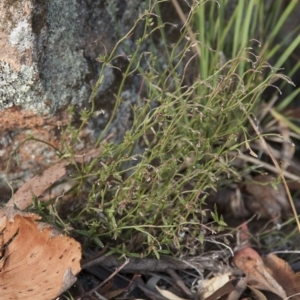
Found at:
(48, 52)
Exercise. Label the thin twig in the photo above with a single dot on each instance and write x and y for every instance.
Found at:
(106, 280)
(179, 282)
(100, 256)
(146, 265)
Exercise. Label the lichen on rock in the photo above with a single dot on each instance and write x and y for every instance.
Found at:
(48, 61)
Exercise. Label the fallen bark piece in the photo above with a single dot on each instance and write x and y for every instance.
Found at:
(36, 261)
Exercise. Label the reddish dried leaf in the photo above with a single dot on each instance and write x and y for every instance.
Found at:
(253, 266)
(39, 184)
(37, 262)
(283, 274)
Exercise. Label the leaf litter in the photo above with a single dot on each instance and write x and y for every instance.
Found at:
(31, 249)
(260, 196)
(37, 261)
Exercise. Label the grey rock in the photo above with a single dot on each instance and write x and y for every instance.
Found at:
(48, 61)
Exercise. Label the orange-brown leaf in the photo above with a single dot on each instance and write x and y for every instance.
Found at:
(37, 261)
(283, 274)
(39, 184)
(253, 266)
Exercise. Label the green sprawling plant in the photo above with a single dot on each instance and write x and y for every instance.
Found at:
(154, 202)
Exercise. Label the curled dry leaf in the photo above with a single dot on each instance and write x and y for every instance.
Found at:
(258, 276)
(239, 288)
(36, 261)
(210, 286)
(258, 294)
(217, 287)
(284, 275)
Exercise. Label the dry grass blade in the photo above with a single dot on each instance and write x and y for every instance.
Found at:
(278, 170)
(183, 19)
(269, 167)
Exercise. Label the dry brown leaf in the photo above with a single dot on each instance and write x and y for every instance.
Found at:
(253, 266)
(39, 184)
(239, 288)
(266, 201)
(226, 289)
(167, 294)
(36, 261)
(283, 274)
(210, 286)
(258, 294)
